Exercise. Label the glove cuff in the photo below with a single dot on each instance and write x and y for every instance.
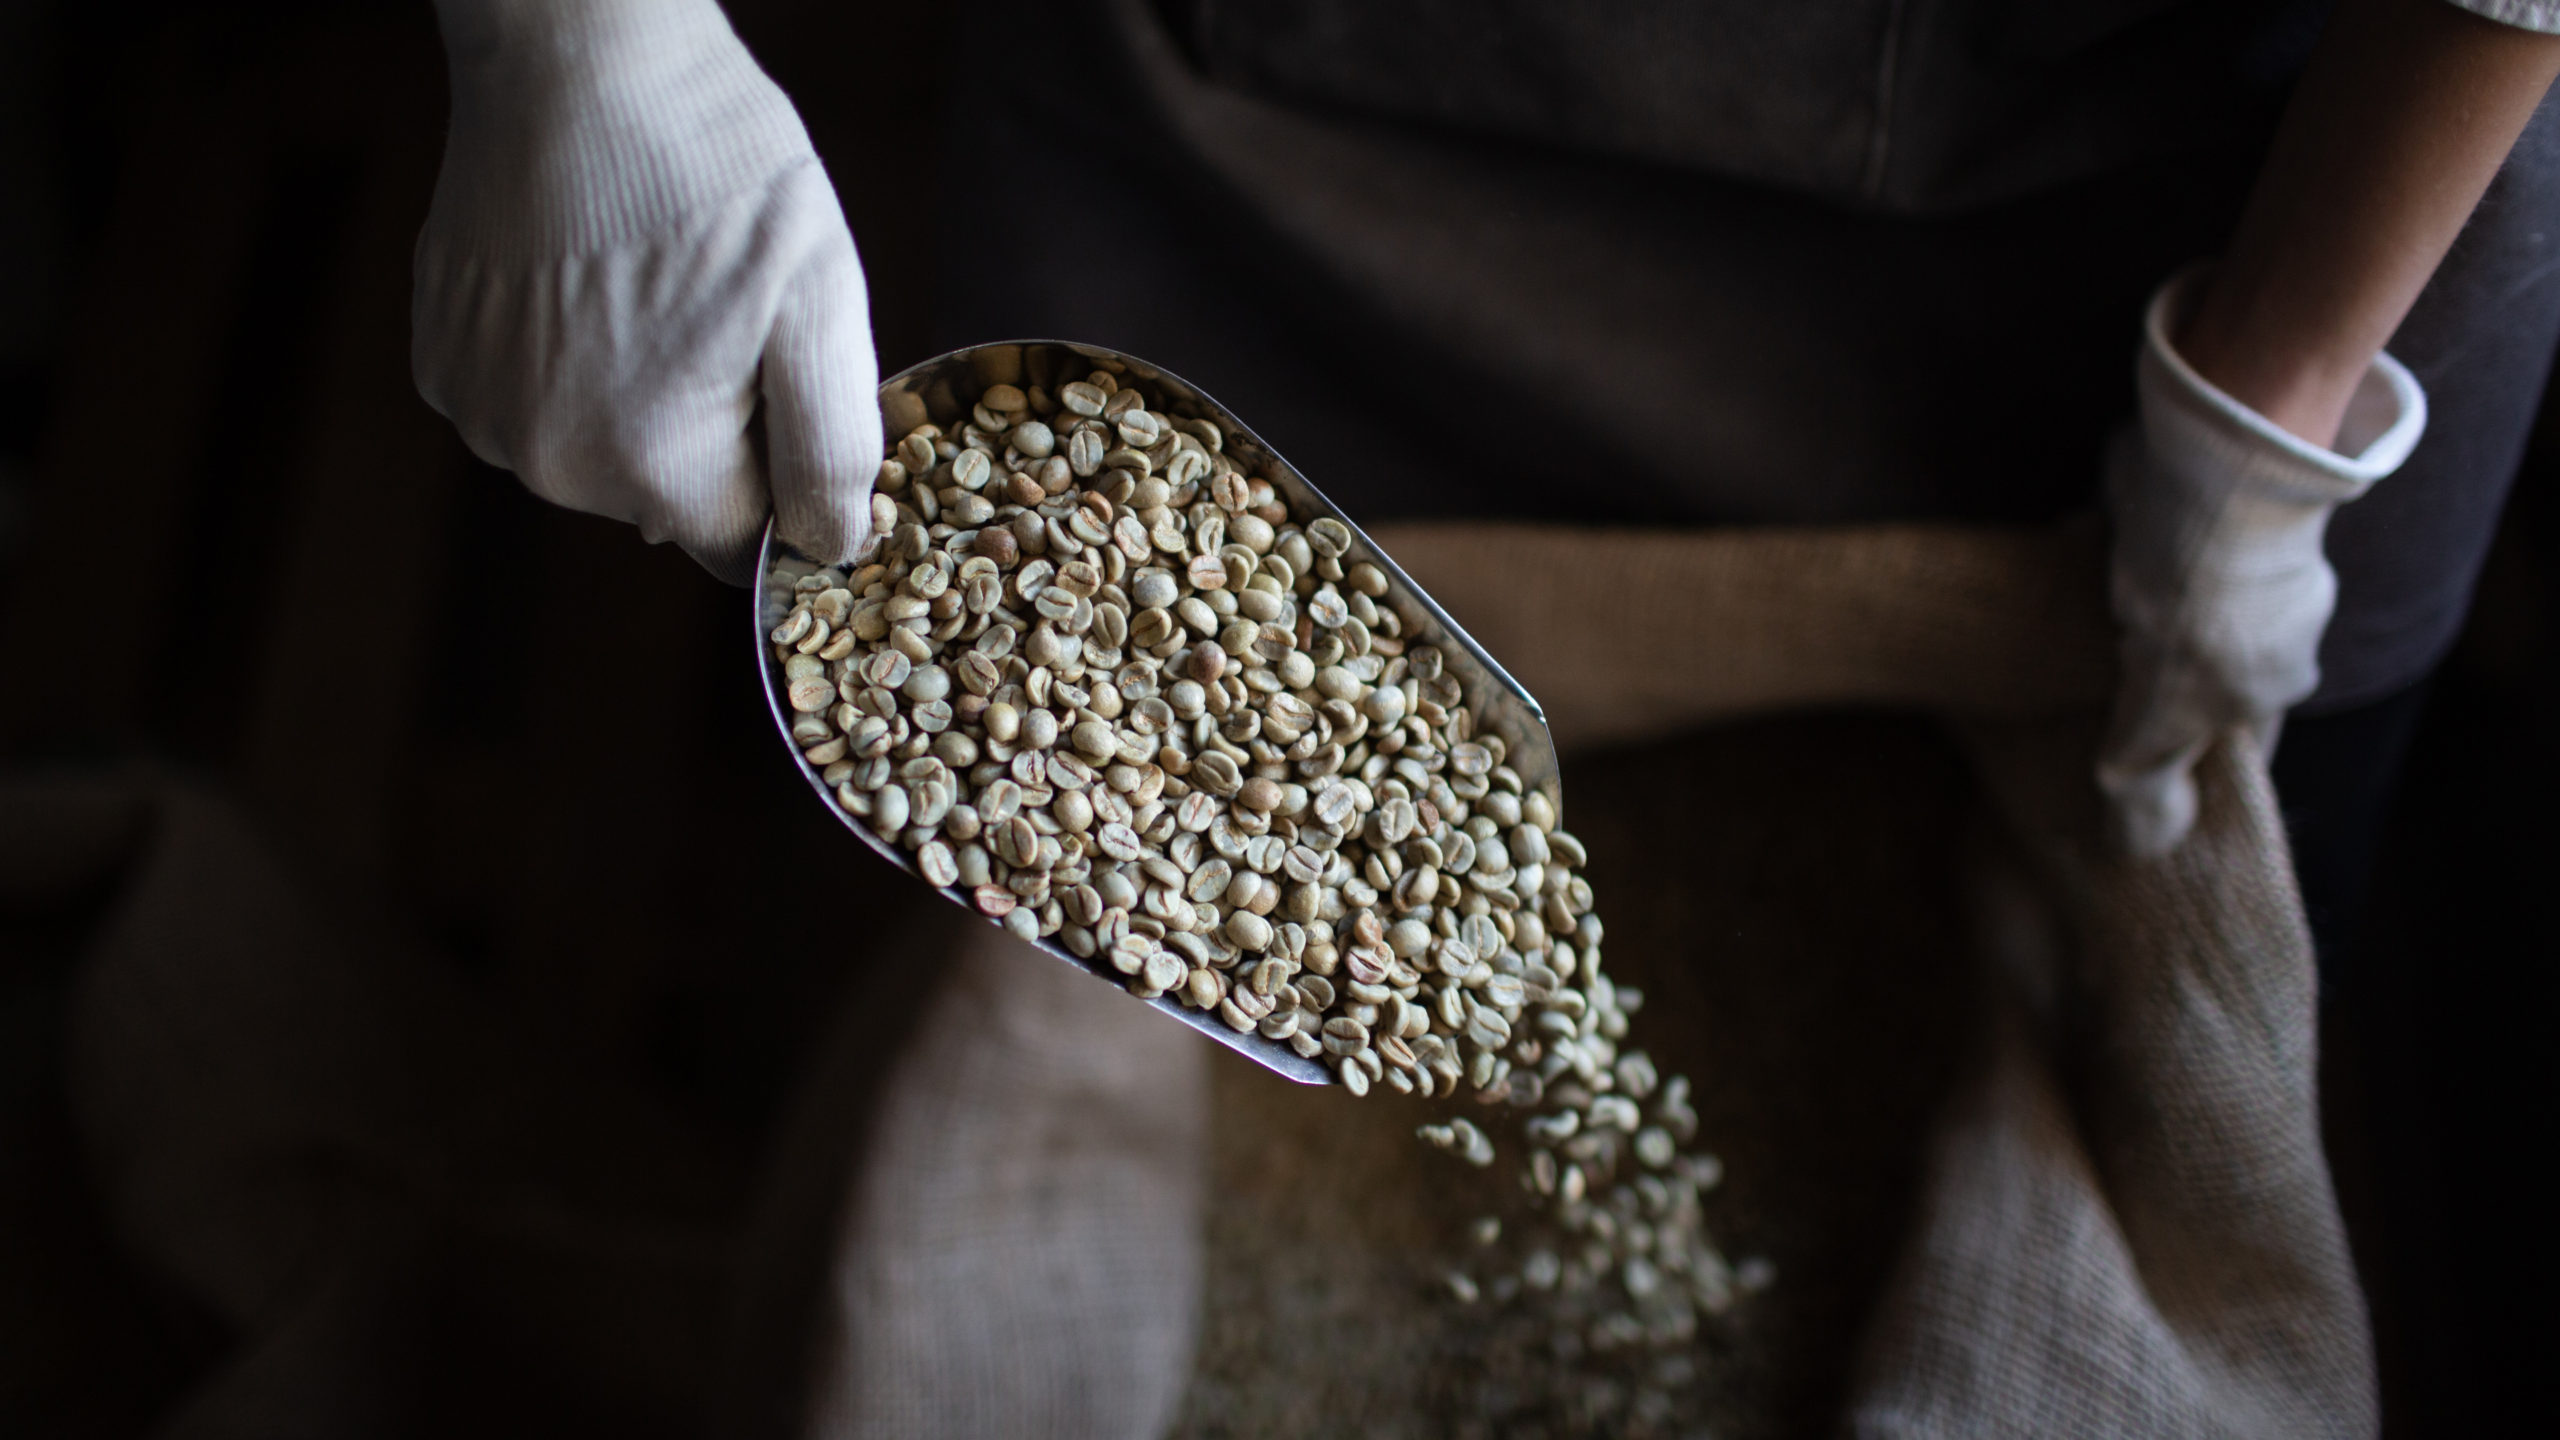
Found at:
(2184, 414)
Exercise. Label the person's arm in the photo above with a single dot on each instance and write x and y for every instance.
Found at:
(2267, 399)
(2403, 118)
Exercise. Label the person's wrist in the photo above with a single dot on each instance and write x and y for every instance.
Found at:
(2220, 443)
(2301, 376)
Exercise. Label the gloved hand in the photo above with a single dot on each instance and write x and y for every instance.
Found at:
(2218, 579)
(631, 243)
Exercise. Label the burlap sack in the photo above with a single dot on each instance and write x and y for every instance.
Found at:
(987, 1222)
(997, 1224)
(2128, 1227)
(346, 1157)
(1019, 1253)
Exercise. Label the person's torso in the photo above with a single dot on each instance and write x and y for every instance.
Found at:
(1708, 262)
(1907, 105)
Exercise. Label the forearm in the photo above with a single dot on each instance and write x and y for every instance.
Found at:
(2407, 111)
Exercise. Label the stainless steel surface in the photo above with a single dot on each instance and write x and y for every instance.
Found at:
(943, 388)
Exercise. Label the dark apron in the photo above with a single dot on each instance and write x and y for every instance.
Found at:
(1723, 263)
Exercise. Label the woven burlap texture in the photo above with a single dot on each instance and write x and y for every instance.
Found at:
(996, 1227)
(2129, 1226)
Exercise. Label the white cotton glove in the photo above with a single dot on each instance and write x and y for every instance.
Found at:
(2218, 579)
(631, 243)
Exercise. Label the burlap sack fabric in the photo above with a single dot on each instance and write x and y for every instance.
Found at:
(1003, 1223)
(2128, 1225)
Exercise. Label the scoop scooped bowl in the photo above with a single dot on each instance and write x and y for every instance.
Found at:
(946, 391)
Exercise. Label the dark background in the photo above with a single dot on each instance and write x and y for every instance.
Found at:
(232, 540)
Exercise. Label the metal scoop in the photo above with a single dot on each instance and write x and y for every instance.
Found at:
(944, 388)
